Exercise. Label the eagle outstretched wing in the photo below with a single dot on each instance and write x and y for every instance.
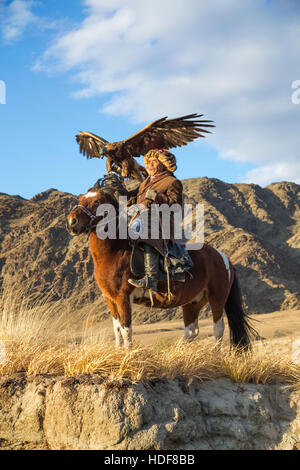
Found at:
(91, 145)
(163, 133)
(167, 133)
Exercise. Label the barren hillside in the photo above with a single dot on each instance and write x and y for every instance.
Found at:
(256, 227)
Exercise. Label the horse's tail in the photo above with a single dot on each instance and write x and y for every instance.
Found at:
(240, 328)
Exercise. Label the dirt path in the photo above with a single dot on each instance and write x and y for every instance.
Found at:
(278, 329)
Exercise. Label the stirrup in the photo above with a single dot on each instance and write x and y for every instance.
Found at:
(145, 282)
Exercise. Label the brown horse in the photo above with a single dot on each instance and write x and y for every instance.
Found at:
(213, 280)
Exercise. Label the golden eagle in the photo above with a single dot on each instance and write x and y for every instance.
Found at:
(161, 134)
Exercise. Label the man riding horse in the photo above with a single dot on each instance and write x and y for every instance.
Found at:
(212, 280)
(160, 187)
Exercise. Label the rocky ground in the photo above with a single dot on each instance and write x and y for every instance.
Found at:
(60, 413)
(89, 412)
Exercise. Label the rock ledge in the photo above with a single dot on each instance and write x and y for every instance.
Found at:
(86, 412)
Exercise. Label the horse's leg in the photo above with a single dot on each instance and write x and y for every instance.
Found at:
(116, 322)
(217, 308)
(124, 310)
(191, 313)
(190, 319)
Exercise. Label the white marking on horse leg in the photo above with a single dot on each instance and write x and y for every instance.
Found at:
(127, 336)
(117, 331)
(122, 333)
(219, 327)
(191, 331)
(226, 262)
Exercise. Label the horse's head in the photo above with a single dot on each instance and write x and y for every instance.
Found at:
(83, 217)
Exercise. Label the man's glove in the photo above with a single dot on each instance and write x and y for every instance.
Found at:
(151, 194)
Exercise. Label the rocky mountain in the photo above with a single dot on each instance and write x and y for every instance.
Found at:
(258, 228)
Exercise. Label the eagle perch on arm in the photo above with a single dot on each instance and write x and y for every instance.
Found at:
(161, 134)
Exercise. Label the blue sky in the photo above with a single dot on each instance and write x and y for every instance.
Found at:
(111, 67)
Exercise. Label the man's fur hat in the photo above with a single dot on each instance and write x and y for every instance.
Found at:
(164, 156)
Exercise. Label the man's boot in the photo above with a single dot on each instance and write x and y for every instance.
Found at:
(151, 263)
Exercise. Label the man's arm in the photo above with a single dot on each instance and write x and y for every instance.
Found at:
(132, 196)
(173, 195)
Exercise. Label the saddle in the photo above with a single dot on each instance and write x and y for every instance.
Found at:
(178, 262)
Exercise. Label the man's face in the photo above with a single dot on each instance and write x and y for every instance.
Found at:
(154, 166)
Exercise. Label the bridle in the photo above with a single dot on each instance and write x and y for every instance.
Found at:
(100, 184)
(91, 216)
(91, 225)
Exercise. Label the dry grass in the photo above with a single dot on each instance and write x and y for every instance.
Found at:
(41, 339)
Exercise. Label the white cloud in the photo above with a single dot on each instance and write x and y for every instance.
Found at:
(234, 61)
(15, 18)
(275, 171)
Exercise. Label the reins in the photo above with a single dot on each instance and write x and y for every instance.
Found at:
(91, 216)
(100, 184)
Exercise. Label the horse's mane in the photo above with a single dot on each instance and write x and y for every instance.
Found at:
(112, 185)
